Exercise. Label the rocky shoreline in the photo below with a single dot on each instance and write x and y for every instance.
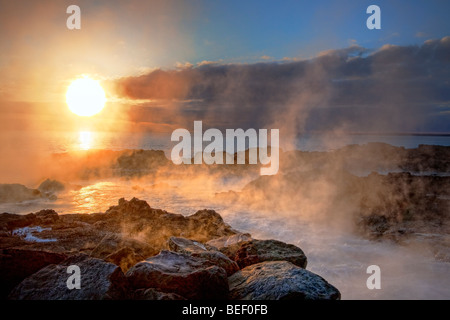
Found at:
(133, 251)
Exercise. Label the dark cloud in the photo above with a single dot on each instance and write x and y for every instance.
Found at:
(396, 88)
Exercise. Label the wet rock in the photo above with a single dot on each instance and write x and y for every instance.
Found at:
(46, 216)
(51, 186)
(152, 294)
(279, 280)
(125, 258)
(17, 264)
(196, 249)
(100, 280)
(183, 245)
(210, 224)
(10, 221)
(112, 242)
(254, 251)
(135, 218)
(229, 240)
(187, 276)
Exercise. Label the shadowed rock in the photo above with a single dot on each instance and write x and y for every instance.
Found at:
(51, 186)
(125, 252)
(100, 280)
(196, 249)
(190, 277)
(254, 251)
(279, 280)
(229, 240)
(17, 264)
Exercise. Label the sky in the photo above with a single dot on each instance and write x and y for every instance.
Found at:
(308, 65)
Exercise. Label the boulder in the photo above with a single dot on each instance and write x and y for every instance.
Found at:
(125, 258)
(183, 245)
(9, 221)
(254, 251)
(17, 264)
(51, 186)
(46, 216)
(114, 241)
(135, 218)
(187, 276)
(100, 280)
(196, 249)
(279, 280)
(229, 240)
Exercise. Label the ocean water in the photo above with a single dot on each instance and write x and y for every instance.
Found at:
(55, 142)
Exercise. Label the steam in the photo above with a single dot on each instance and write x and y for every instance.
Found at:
(344, 90)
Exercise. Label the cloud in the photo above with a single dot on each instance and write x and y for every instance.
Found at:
(395, 88)
(183, 66)
(206, 62)
(265, 57)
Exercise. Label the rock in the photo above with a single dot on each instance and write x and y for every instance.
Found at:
(51, 186)
(152, 294)
(47, 216)
(254, 251)
(9, 221)
(125, 258)
(279, 280)
(209, 224)
(183, 245)
(113, 242)
(135, 218)
(220, 260)
(17, 264)
(124, 252)
(100, 280)
(17, 192)
(196, 249)
(229, 240)
(187, 276)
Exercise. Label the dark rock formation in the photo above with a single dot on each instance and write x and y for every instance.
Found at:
(279, 280)
(125, 252)
(17, 264)
(100, 280)
(187, 276)
(246, 253)
(195, 249)
(229, 240)
(51, 186)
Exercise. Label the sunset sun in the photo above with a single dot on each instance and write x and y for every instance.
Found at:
(85, 97)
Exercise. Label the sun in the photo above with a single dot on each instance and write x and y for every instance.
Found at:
(85, 97)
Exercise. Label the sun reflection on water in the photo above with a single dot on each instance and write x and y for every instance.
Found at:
(85, 139)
